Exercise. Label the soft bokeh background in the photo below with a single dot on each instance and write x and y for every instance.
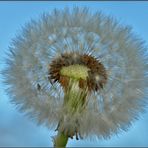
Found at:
(18, 130)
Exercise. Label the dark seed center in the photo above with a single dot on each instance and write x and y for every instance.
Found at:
(87, 69)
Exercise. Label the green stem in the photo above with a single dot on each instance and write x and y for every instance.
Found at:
(60, 140)
(74, 101)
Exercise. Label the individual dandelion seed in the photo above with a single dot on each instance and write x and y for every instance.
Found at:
(79, 72)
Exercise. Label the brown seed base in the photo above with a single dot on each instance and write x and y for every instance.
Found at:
(97, 70)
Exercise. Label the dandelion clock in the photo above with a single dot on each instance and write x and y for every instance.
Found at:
(81, 74)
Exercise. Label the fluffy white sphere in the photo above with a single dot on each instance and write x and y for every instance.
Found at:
(120, 51)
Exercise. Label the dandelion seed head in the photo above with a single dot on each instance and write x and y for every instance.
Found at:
(109, 61)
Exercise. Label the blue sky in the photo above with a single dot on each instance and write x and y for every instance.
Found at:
(18, 130)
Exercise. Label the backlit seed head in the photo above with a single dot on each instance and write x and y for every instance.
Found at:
(69, 51)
